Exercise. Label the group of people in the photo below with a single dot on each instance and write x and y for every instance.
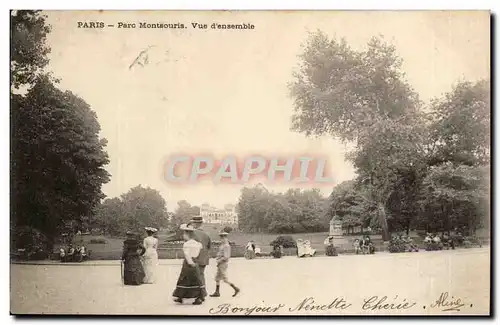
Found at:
(364, 246)
(141, 259)
(73, 254)
(436, 242)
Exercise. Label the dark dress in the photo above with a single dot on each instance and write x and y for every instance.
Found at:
(190, 283)
(133, 273)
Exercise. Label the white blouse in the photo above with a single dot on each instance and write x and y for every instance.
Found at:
(192, 248)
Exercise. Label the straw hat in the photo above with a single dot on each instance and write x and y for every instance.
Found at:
(186, 227)
(151, 229)
(223, 233)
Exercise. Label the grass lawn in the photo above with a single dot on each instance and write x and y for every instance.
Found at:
(240, 238)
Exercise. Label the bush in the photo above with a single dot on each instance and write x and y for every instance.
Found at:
(397, 246)
(98, 241)
(285, 241)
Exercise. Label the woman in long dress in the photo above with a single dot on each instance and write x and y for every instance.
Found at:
(133, 273)
(190, 284)
(150, 257)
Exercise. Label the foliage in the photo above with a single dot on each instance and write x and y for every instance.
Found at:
(29, 238)
(28, 47)
(294, 211)
(138, 208)
(460, 125)
(397, 245)
(285, 241)
(361, 97)
(183, 214)
(57, 156)
(454, 197)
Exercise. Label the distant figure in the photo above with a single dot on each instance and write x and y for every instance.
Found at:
(330, 248)
(250, 250)
(277, 251)
(62, 254)
(203, 259)
(150, 257)
(190, 283)
(71, 254)
(357, 247)
(223, 256)
(367, 246)
(83, 253)
(304, 248)
(133, 273)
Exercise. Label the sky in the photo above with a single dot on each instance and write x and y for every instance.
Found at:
(224, 92)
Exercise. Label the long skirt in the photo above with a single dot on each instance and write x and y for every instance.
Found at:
(150, 263)
(189, 284)
(133, 273)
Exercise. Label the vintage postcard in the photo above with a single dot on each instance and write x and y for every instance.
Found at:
(250, 163)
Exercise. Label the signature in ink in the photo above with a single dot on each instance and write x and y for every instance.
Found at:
(142, 59)
(448, 304)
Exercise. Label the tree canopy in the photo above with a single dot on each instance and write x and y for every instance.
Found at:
(361, 97)
(294, 211)
(57, 156)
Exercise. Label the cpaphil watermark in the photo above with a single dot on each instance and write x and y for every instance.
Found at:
(182, 169)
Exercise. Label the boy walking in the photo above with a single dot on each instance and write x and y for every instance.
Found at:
(223, 256)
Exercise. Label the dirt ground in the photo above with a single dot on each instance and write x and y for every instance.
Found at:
(381, 284)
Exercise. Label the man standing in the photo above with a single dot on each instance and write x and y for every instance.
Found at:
(204, 256)
(223, 256)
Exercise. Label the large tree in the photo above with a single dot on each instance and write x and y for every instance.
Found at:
(143, 207)
(360, 97)
(57, 157)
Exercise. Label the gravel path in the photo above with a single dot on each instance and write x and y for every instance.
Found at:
(330, 285)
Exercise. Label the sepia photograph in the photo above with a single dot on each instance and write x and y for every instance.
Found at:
(250, 163)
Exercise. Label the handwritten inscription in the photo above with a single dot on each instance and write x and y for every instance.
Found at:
(446, 303)
(230, 309)
(382, 303)
(309, 304)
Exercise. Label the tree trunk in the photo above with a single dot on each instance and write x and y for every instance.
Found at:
(383, 222)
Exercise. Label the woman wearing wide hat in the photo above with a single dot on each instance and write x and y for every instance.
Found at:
(190, 284)
(133, 273)
(150, 257)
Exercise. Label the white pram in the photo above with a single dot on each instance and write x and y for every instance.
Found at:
(304, 248)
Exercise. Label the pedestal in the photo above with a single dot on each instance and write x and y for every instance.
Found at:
(338, 235)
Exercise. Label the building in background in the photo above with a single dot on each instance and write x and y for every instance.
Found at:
(225, 216)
